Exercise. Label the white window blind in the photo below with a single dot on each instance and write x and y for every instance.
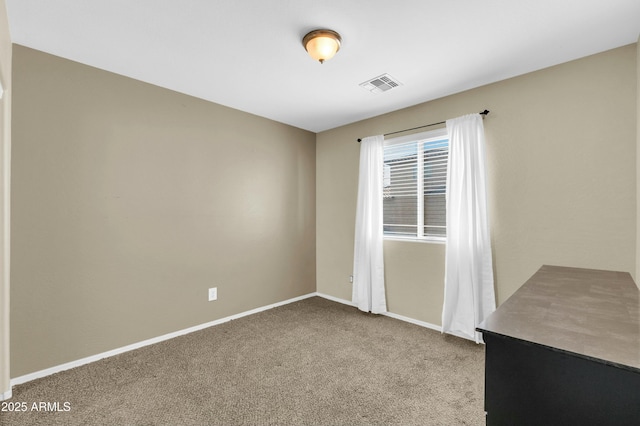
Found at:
(415, 169)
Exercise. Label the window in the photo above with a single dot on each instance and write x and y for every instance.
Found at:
(415, 177)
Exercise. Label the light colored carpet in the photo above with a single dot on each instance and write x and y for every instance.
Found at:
(313, 362)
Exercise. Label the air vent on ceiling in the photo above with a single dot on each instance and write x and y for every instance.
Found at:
(381, 83)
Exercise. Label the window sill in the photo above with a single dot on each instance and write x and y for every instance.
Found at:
(429, 240)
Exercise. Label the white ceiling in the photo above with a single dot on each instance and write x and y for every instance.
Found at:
(248, 55)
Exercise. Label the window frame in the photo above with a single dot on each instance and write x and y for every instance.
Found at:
(420, 139)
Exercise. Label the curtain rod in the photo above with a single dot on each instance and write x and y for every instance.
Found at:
(485, 112)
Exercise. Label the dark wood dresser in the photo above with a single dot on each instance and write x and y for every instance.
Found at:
(565, 350)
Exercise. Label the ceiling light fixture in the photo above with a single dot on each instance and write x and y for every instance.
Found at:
(322, 44)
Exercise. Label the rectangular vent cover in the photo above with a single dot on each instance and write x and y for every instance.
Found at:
(380, 84)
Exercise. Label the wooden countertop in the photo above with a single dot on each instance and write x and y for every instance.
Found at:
(591, 313)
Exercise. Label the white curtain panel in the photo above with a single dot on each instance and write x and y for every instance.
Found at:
(469, 291)
(368, 264)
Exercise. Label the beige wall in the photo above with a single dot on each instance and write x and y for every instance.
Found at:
(562, 181)
(129, 201)
(5, 153)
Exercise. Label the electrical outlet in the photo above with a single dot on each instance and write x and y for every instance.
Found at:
(351, 279)
(213, 294)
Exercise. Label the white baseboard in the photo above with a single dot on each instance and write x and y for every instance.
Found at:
(414, 321)
(388, 314)
(336, 299)
(48, 371)
(5, 395)
(66, 366)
